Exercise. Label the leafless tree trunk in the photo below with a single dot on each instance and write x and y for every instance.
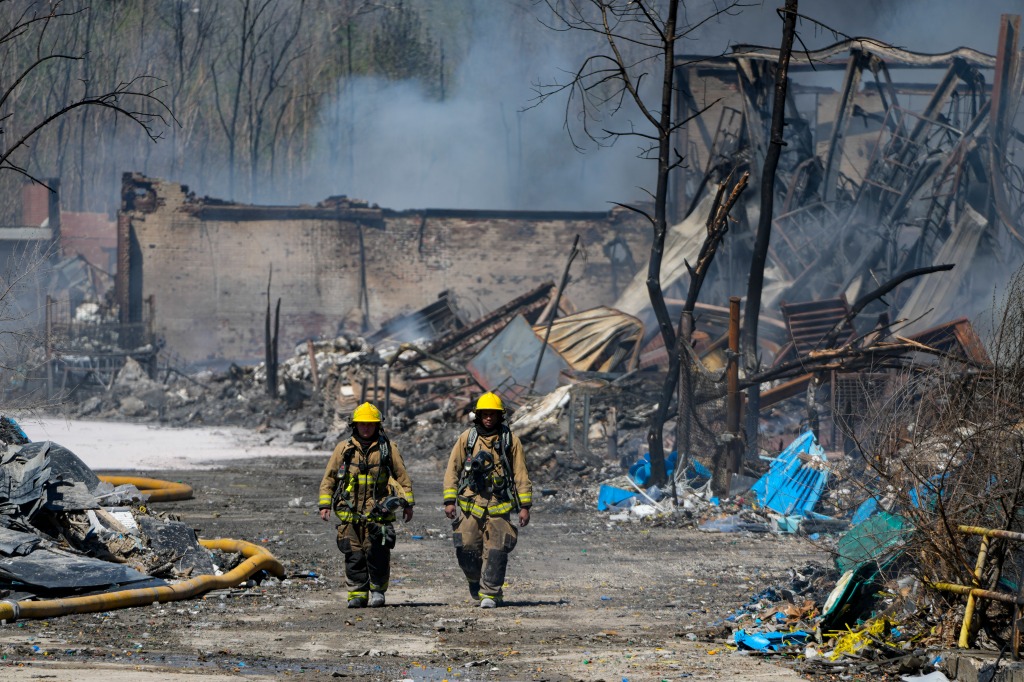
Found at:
(637, 36)
(755, 282)
(190, 33)
(275, 51)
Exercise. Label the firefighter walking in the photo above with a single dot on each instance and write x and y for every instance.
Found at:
(364, 484)
(487, 478)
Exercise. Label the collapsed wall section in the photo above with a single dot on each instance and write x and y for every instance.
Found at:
(342, 266)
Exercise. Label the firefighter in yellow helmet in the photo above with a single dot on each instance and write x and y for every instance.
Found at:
(487, 480)
(364, 484)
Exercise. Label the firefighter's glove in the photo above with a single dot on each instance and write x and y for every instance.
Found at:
(449, 510)
(407, 514)
(524, 517)
(325, 513)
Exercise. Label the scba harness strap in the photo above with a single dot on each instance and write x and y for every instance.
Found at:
(505, 488)
(504, 442)
(344, 486)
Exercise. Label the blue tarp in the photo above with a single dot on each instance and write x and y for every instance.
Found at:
(792, 485)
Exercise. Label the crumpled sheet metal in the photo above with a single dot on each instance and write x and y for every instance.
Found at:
(796, 479)
(597, 340)
(507, 364)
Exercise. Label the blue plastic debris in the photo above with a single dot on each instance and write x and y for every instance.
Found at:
(864, 511)
(795, 481)
(767, 594)
(698, 470)
(765, 641)
(788, 524)
(610, 496)
(640, 472)
(16, 427)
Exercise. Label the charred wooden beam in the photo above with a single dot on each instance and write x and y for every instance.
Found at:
(476, 333)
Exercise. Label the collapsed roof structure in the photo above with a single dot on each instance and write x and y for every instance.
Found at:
(907, 163)
(877, 178)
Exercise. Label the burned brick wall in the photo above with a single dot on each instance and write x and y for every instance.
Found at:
(344, 266)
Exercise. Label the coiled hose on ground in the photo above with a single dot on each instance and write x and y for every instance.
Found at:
(257, 559)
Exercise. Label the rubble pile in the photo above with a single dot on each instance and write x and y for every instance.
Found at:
(889, 429)
(65, 532)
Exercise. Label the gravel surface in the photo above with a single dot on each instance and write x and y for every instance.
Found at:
(587, 599)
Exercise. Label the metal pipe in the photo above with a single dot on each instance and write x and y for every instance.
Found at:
(554, 311)
(732, 414)
(49, 348)
(313, 370)
(965, 629)
(585, 435)
(258, 559)
(612, 435)
(151, 313)
(992, 532)
(572, 419)
(978, 592)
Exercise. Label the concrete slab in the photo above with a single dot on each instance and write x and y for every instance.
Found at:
(124, 446)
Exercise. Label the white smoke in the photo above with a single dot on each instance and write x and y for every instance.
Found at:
(930, 26)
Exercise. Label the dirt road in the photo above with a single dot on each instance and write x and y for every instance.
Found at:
(586, 599)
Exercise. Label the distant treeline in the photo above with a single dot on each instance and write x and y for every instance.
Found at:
(258, 89)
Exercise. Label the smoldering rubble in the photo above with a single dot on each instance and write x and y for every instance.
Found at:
(889, 427)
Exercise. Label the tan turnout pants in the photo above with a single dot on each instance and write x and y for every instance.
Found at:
(481, 548)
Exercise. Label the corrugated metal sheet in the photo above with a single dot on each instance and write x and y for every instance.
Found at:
(810, 322)
(796, 479)
(506, 363)
(597, 340)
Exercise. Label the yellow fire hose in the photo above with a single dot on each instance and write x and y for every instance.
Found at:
(257, 559)
(158, 491)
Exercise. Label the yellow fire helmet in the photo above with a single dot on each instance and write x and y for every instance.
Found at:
(489, 401)
(366, 413)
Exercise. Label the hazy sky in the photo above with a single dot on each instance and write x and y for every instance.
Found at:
(485, 148)
(918, 25)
